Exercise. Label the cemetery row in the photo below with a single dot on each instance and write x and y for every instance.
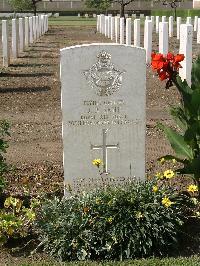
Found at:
(118, 31)
(24, 32)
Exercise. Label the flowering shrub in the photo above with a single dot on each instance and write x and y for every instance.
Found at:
(138, 220)
(15, 219)
(186, 141)
(167, 66)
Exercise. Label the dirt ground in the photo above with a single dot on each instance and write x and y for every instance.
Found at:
(30, 101)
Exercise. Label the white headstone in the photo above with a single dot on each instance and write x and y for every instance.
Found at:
(171, 26)
(106, 26)
(103, 22)
(164, 18)
(137, 32)
(21, 34)
(86, 15)
(109, 26)
(79, 15)
(152, 20)
(198, 31)
(40, 24)
(134, 15)
(186, 32)
(31, 29)
(43, 24)
(163, 38)
(47, 23)
(178, 23)
(117, 22)
(27, 31)
(5, 44)
(126, 15)
(104, 119)
(34, 28)
(148, 40)
(141, 15)
(148, 18)
(98, 23)
(121, 30)
(15, 38)
(157, 24)
(189, 20)
(37, 27)
(128, 31)
(112, 28)
(195, 23)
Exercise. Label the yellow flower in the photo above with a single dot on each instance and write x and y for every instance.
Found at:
(167, 202)
(10, 231)
(97, 162)
(139, 215)
(98, 201)
(155, 188)
(173, 161)
(192, 188)
(110, 219)
(159, 175)
(162, 160)
(168, 174)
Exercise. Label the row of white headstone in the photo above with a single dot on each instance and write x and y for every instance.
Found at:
(114, 28)
(24, 32)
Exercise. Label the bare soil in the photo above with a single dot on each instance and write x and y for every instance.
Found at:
(30, 101)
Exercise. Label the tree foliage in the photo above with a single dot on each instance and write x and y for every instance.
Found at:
(23, 5)
(100, 5)
(103, 5)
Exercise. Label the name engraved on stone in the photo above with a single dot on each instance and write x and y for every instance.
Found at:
(104, 148)
(103, 76)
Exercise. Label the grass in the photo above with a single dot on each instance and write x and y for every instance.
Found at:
(72, 21)
(191, 261)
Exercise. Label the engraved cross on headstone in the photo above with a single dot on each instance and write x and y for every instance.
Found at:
(104, 148)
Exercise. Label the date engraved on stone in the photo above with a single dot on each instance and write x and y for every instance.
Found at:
(103, 77)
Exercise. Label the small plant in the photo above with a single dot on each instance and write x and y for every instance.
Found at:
(139, 220)
(185, 141)
(4, 132)
(15, 219)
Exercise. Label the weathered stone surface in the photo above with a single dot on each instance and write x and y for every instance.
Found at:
(103, 106)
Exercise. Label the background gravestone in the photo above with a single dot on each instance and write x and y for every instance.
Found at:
(103, 106)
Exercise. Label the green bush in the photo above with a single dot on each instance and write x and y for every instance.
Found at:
(179, 12)
(16, 219)
(138, 220)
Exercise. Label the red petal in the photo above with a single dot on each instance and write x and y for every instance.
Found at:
(179, 57)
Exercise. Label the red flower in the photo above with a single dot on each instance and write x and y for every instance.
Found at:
(170, 56)
(179, 57)
(167, 66)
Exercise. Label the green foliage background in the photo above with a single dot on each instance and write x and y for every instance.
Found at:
(21, 5)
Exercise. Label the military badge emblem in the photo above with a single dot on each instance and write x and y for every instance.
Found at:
(103, 76)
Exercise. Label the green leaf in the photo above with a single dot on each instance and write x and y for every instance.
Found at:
(192, 168)
(177, 142)
(195, 101)
(179, 117)
(196, 74)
